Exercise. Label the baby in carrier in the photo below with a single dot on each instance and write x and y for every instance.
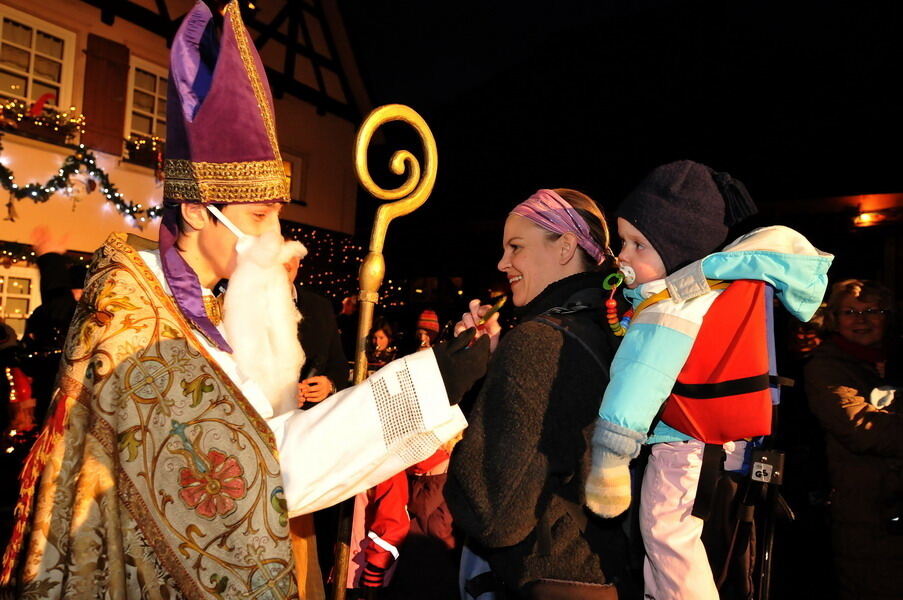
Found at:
(694, 364)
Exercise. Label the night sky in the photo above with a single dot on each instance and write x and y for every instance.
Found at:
(799, 100)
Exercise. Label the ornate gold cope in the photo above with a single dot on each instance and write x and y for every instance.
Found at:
(152, 450)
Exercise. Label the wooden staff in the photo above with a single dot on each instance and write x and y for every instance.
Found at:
(407, 198)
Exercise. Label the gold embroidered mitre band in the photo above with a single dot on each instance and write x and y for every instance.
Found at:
(225, 183)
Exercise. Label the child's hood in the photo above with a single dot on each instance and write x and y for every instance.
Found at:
(777, 255)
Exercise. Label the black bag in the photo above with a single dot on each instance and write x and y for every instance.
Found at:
(729, 536)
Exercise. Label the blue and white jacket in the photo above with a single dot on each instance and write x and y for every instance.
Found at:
(659, 340)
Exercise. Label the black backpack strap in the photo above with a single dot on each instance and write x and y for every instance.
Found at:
(568, 320)
(713, 457)
(556, 321)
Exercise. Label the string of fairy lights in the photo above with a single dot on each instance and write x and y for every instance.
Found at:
(73, 164)
(332, 261)
(20, 117)
(17, 254)
(332, 264)
(17, 114)
(139, 142)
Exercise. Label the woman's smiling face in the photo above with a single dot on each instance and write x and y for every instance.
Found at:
(861, 321)
(530, 259)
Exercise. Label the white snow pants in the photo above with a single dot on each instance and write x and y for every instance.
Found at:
(676, 565)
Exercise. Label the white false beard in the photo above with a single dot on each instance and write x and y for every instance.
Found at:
(261, 320)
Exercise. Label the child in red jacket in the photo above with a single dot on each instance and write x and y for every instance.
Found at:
(381, 523)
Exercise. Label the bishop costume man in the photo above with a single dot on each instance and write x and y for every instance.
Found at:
(174, 455)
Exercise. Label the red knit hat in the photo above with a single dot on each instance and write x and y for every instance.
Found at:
(428, 321)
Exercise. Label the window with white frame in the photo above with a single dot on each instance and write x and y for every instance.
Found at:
(19, 295)
(36, 58)
(146, 115)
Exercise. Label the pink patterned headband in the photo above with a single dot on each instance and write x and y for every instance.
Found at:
(551, 212)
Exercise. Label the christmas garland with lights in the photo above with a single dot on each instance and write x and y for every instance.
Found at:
(72, 165)
(146, 151)
(15, 114)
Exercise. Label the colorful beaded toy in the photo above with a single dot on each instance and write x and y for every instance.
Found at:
(618, 326)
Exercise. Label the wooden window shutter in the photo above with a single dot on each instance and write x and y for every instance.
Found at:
(106, 89)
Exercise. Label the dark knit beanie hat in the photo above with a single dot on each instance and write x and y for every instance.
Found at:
(684, 209)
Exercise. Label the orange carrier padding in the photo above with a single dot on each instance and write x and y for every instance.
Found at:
(722, 393)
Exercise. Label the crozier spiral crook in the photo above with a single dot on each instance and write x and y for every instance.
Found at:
(418, 184)
(405, 199)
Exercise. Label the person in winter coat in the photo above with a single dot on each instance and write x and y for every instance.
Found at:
(431, 551)
(45, 331)
(325, 368)
(851, 382)
(668, 225)
(381, 524)
(515, 483)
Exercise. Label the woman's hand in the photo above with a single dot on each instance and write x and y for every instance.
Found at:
(472, 319)
(314, 389)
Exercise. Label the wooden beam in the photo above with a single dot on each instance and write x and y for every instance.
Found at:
(304, 92)
(333, 50)
(163, 10)
(268, 30)
(310, 53)
(318, 74)
(291, 53)
(132, 13)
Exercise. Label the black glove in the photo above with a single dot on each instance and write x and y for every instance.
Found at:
(461, 366)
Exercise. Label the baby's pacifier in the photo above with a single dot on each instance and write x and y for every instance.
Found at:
(628, 273)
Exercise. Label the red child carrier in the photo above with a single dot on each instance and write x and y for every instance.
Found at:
(723, 391)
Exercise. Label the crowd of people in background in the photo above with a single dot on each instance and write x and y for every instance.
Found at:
(470, 507)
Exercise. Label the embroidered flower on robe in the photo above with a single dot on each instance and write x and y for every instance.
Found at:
(214, 491)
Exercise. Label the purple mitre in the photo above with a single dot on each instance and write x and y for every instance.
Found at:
(221, 145)
(220, 131)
